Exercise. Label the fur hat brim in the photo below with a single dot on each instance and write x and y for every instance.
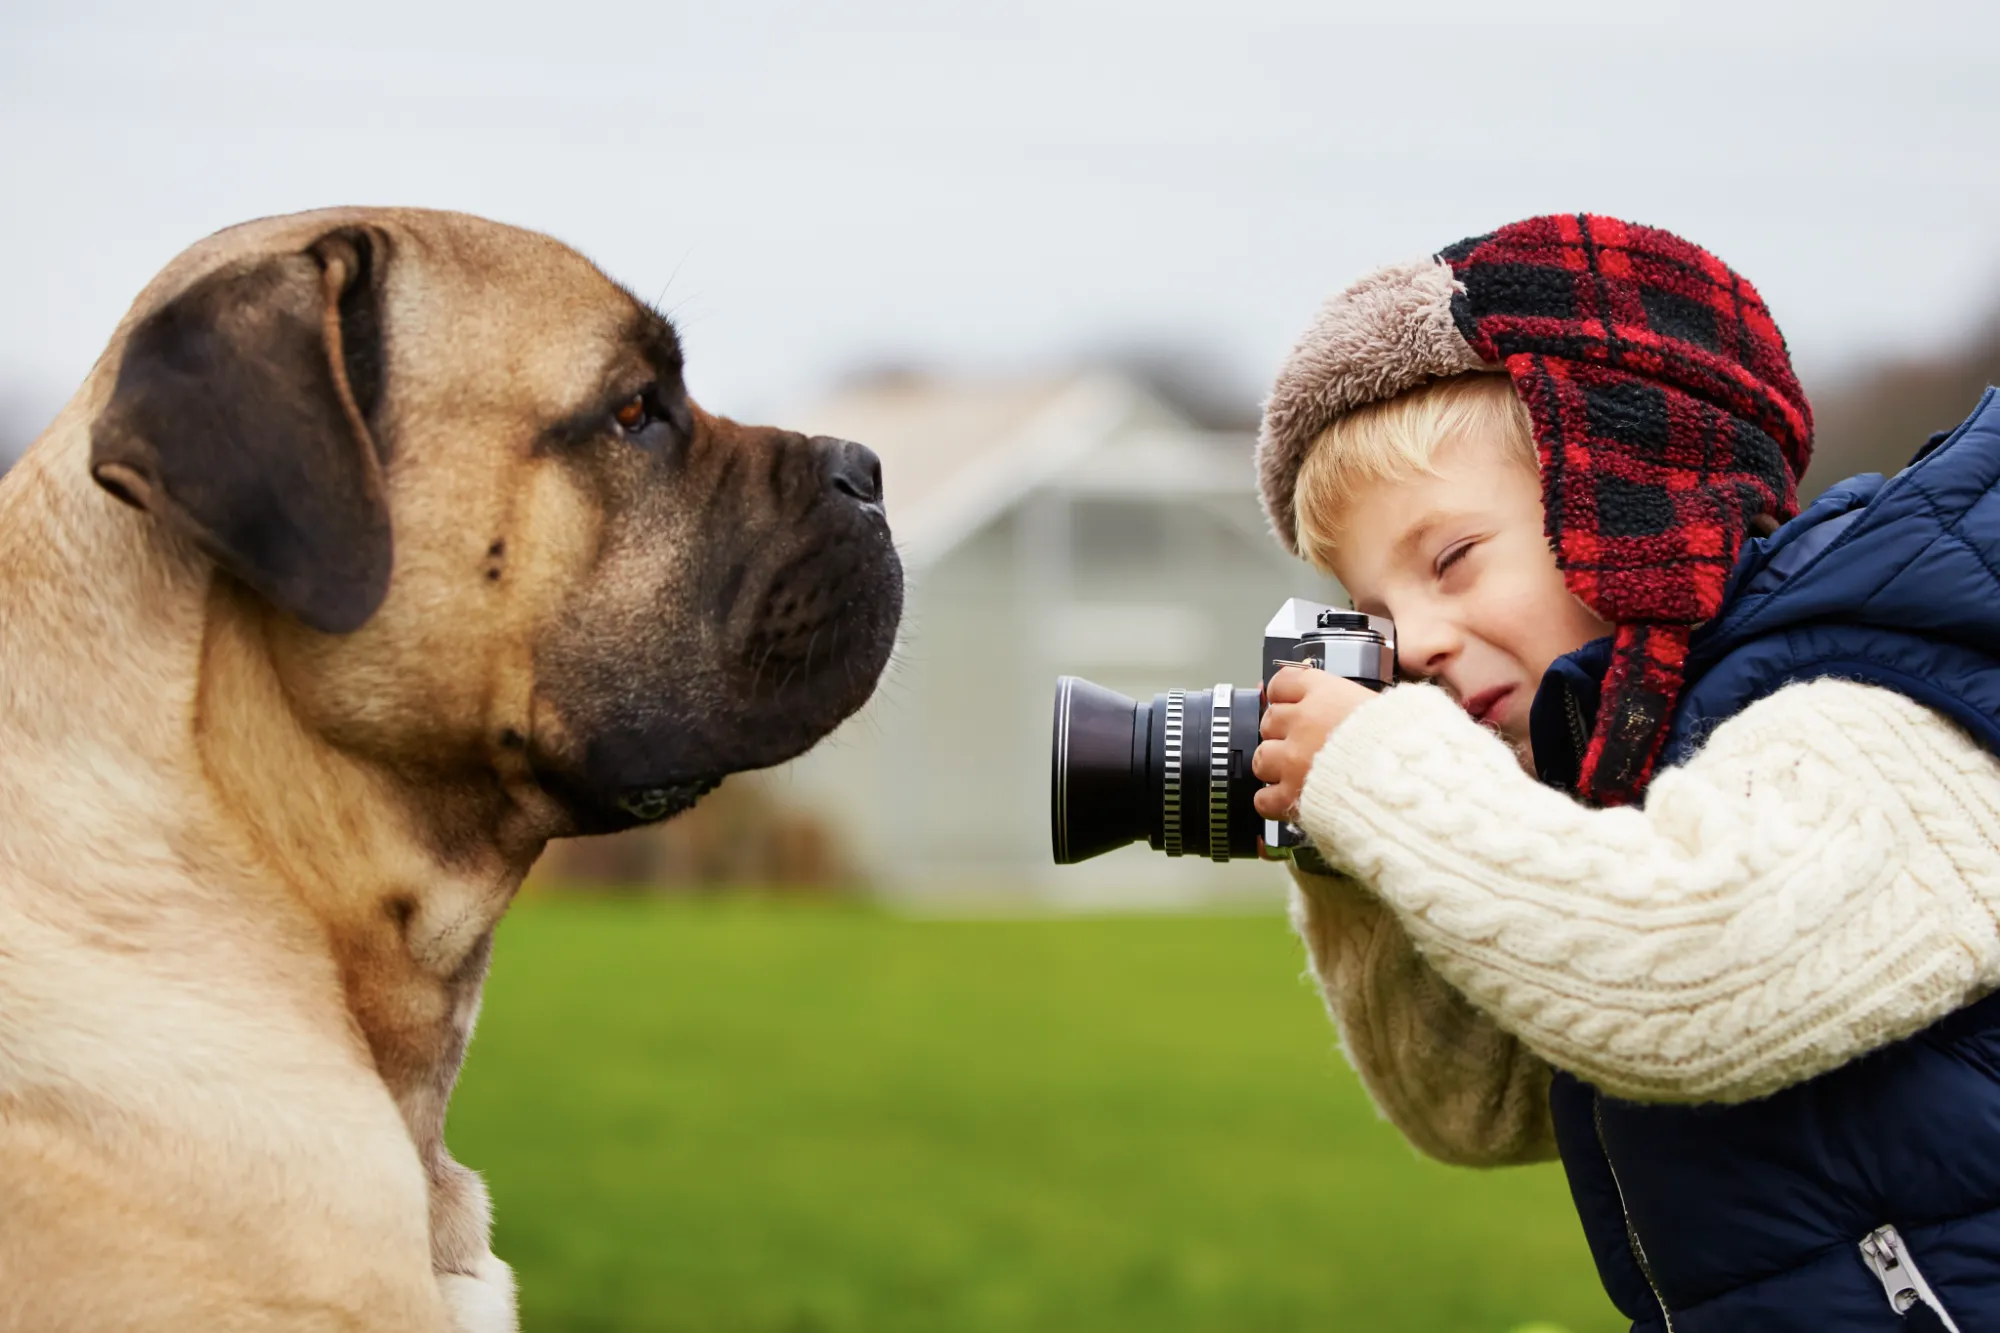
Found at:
(1385, 335)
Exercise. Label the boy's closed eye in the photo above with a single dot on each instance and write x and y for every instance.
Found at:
(1451, 556)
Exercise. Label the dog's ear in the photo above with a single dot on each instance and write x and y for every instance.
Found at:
(243, 417)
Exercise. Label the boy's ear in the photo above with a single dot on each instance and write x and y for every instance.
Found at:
(242, 418)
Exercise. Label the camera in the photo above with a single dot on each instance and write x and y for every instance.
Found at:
(1176, 771)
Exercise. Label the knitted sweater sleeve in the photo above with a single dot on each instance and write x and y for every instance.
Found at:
(1460, 1089)
(1821, 879)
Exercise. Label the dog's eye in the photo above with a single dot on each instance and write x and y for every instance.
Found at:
(634, 415)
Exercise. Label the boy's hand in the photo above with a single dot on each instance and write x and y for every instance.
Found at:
(1304, 708)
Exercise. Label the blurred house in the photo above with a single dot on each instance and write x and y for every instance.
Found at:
(1077, 523)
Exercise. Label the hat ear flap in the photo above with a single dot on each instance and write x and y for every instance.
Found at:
(241, 418)
(1635, 713)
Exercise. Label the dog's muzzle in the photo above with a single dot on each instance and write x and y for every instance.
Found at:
(801, 592)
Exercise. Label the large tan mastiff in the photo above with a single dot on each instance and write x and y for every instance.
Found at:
(379, 548)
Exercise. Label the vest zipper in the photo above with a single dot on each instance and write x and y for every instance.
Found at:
(1579, 729)
(1631, 1232)
(1888, 1258)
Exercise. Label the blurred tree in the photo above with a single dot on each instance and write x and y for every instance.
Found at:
(1874, 419)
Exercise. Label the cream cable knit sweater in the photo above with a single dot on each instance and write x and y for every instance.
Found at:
(1821, 879)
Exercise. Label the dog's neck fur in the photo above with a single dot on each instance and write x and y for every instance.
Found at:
(100, 621)
(134, 723)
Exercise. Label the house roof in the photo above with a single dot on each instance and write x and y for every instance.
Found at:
(957, 451)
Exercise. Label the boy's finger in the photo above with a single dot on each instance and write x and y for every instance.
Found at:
(1289, 685)
(1274, 802)
(1276, 722)
(1266, 761)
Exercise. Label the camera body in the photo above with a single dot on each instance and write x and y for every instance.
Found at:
(1176, 771)
(1345, 643)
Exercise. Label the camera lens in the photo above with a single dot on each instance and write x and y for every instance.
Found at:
(1098, 779)
(1175, 772)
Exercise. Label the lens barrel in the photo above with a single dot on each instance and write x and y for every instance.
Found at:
(1175, 772)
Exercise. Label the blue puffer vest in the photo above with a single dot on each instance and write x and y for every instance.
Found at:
(1752, 1216)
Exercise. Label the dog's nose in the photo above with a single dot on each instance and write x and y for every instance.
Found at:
(852, 469)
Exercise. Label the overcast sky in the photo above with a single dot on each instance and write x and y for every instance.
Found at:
(815, 188)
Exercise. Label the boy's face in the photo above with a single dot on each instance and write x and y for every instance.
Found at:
(1460, 563)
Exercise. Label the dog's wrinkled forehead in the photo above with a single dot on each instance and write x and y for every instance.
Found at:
(516, 321)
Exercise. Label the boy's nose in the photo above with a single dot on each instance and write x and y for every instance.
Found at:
(1424, 648)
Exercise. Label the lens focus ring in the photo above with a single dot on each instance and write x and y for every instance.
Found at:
(1170, 797)
(1218, 774)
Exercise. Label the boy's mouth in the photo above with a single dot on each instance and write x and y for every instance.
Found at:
(1485, 706)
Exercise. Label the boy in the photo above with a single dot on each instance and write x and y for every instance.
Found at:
(1727, 956)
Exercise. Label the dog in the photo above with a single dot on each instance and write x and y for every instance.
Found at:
(379, 548)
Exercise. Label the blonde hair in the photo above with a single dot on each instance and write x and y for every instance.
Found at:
(1398, 439)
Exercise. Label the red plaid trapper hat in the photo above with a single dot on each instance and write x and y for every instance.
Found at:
(1666, 416)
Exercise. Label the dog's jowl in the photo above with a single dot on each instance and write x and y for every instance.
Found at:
(379, 548)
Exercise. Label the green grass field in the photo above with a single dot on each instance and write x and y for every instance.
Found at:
(806, 1119)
